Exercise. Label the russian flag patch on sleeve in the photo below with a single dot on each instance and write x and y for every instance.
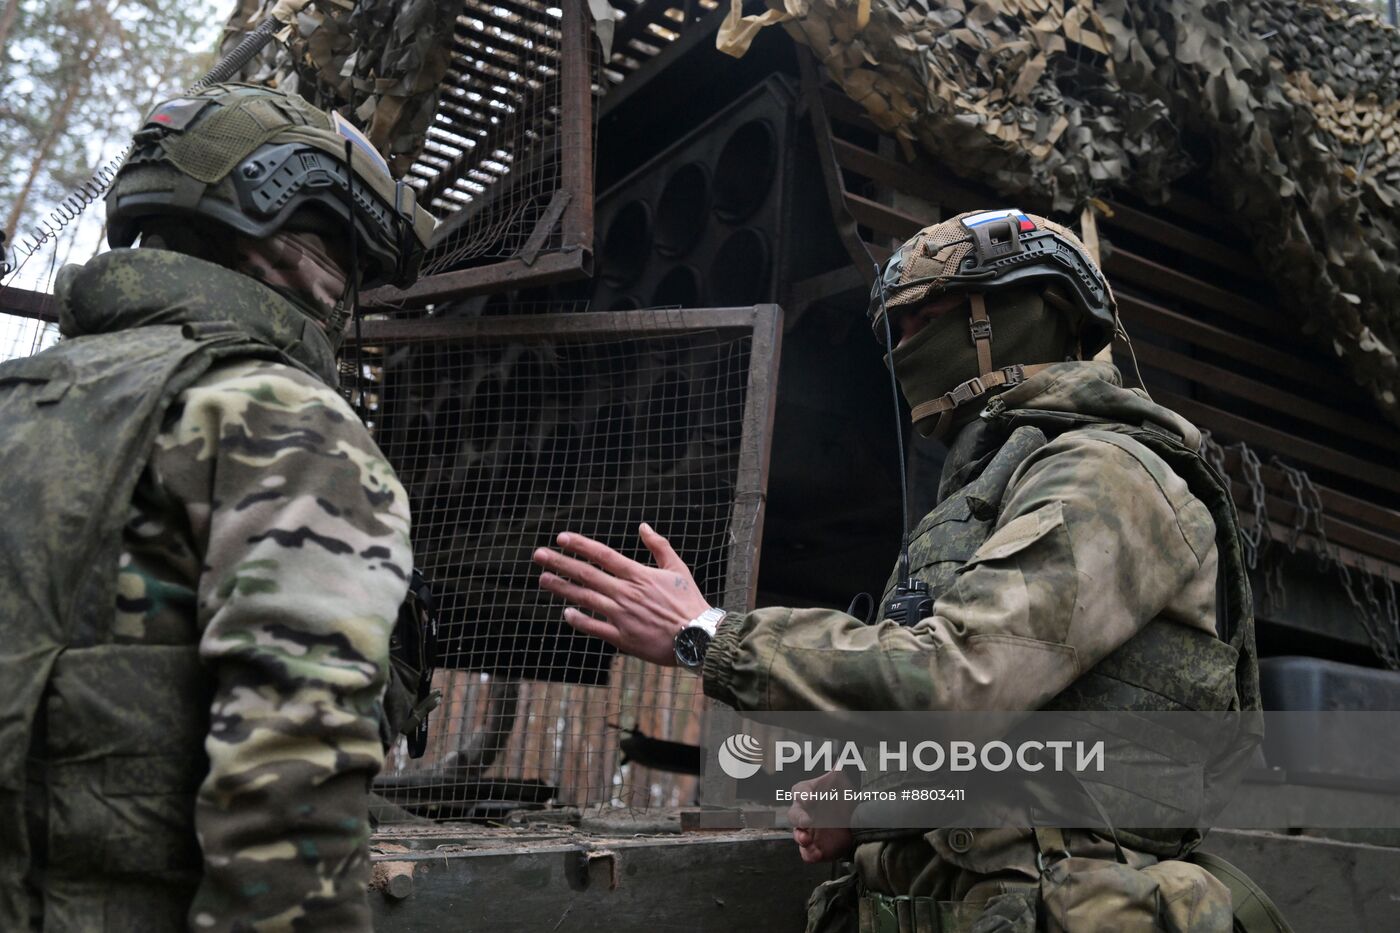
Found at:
(984, 217)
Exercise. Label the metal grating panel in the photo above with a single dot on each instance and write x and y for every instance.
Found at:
(507, 132)
(508, 430)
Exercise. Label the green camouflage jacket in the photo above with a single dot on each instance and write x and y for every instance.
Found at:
(1072, 567)
(203, 602)
(1094, 538)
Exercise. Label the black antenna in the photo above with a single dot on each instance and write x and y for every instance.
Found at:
(352, 289)
(911, 600)
(898, 434)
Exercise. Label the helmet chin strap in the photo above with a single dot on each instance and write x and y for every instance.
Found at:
(987, 378)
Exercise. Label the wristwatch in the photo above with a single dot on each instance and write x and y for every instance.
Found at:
(694, 639)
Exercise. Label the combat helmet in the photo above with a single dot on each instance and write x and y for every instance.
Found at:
(980, 252)
(253, 159)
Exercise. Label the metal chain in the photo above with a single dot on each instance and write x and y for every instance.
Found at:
(1372, 595)
(1380, 622)
(1256, 541)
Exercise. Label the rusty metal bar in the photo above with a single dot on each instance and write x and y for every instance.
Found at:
(545, 226)
(751, 490)
(576, 125)
(561, 326)
(21, 302)
(512, 273)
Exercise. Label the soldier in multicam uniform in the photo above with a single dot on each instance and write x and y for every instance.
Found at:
(1082, 555)
(203, 552)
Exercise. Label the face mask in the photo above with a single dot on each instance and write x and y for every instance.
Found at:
(942, 356)
(299, 267)
(937, 358)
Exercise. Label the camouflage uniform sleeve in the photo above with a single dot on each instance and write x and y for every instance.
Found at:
(304, 535)
(1096, 537)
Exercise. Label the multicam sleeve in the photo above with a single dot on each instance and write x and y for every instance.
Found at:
(304, 529)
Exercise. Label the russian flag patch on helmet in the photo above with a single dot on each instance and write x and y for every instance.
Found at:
(1024, 223)
(348, 131)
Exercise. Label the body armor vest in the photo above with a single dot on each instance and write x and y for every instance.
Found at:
(1165, 667)
(101, 742)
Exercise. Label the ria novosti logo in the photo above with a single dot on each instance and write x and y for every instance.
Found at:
(740, 756)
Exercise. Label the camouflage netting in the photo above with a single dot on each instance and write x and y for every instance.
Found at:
(383, 60)
(1057, 101)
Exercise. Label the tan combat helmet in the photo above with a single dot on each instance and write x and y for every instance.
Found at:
(252, 159)
(983, 251)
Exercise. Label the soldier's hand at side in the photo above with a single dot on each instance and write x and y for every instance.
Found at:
(814, 823)
(636, 608)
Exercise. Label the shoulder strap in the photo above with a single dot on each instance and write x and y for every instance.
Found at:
(1254, 911)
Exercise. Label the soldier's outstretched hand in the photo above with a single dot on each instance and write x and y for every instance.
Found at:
(636, 608)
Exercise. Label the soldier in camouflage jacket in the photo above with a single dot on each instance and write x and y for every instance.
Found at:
(1072, 562)
(203, 550)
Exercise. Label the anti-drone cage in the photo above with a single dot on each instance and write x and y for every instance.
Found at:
(507, 430)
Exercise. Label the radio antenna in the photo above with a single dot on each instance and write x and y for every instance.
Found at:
(912, 599)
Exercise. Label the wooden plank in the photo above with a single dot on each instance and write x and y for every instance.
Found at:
(636, 26)
(583, 883)
(1284, 512)
(469, 78)
(1175, 324)
(473, 51)
(1295, 448)
(1168, 234)
(1157, 277)
(1361, 511)
(520, 29)
(903, 178)
(842, 109)
(1232, 383)
(882, 218)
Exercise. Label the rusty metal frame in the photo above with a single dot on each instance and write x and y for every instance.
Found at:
(21, 302)
(571, 212)
(763, 322)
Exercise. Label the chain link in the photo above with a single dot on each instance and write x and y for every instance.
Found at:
(1380, 622)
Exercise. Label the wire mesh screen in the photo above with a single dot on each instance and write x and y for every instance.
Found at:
(509, 430)
(25, 336)
(493, 161)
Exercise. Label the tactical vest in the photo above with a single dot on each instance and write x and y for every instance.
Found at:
(101, 743)
(1165, 667)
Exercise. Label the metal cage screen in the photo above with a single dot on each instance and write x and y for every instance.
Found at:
(508, 430)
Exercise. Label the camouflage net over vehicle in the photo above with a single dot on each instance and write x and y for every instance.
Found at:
(388, 56)
(1057, 101)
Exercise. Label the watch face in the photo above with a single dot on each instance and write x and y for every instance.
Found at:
(691, 643)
